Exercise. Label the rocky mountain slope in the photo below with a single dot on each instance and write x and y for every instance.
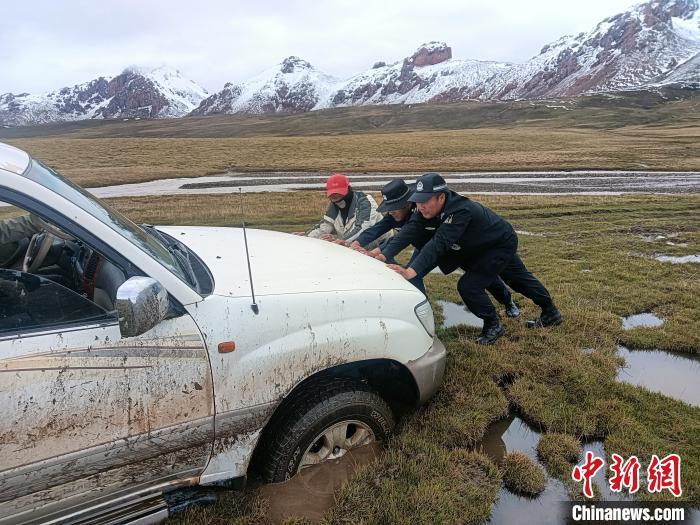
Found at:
(653, 44)
(156, 93)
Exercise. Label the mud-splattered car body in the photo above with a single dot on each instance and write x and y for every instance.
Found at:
(96, 425)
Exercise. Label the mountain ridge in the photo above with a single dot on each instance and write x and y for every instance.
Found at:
(652, 44)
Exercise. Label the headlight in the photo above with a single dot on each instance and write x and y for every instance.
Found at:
(424, 312)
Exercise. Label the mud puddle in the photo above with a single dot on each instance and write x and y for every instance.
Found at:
(644, 319)
(310, 493)
(455, 314)
(673, 374)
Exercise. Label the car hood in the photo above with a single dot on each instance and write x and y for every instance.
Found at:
(282, 263)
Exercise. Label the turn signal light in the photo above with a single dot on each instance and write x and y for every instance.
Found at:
(227, 347)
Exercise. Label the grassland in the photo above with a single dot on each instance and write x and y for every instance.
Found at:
(429, 474)
(586, 133)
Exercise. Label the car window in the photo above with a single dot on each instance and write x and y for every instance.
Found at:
(48, 178)
(30, 302)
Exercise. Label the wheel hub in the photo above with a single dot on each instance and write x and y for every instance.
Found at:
(335, 441)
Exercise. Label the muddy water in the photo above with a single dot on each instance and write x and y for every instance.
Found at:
(645, 319)
(455, 314)
(675, 375)
(310, 493)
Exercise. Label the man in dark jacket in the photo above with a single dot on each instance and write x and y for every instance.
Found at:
(453, 231)
(399, 209)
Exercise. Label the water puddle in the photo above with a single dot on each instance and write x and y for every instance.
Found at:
(644, 319)
(310, 493)
(455, 314)
(675, 375)
(685, 259)
(514, 434)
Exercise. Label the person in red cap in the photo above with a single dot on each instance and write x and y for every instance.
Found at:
(348, 214)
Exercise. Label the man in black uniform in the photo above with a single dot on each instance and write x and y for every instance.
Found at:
(399, 209)
(453, 231)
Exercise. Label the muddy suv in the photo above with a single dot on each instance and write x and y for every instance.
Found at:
(135, 361)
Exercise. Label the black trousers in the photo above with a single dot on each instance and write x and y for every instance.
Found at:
(483, 272)
(499, 290)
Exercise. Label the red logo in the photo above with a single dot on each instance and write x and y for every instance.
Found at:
(665, 474)
(625, 474)
(661, 474)
(586, 471)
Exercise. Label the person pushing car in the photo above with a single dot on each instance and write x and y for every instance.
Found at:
(398, 209)
(453, 232)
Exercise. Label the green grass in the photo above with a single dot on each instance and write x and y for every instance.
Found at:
(428, 473)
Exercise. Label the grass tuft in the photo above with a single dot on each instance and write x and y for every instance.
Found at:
(521, 475)
(559, 452)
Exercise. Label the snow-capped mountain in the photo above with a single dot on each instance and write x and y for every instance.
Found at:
(156, 93)
(430, 74)
(652, 44)
(291, 86)
(624, 51)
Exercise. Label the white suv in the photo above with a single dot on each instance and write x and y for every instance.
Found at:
(135, 361)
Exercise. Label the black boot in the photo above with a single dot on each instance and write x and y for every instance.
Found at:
(512, 309)
(493, 329)
(550, 317)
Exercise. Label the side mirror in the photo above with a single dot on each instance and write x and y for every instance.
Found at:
(141, 304)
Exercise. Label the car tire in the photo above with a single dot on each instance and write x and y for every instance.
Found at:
(325, 419)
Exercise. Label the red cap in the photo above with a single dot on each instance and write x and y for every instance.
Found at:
(337, 183)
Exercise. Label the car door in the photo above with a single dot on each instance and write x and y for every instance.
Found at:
(86, 415)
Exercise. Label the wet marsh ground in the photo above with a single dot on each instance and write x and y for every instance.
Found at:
(596, 256)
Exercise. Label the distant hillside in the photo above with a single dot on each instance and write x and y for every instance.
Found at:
(670, 104)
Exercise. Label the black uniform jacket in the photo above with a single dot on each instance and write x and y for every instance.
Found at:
(464, 231)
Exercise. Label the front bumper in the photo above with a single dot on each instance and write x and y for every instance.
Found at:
(428, 370)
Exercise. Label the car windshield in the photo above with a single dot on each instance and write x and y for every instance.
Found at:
(101, 211)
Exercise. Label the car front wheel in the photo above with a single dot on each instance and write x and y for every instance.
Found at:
(324, 423)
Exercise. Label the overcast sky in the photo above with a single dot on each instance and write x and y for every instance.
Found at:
(48, 44)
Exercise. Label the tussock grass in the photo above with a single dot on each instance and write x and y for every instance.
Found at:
(559, 452)
(523, 476)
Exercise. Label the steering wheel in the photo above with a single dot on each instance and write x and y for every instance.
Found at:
(37, 251)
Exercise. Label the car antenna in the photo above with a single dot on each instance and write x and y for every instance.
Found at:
(253, 306)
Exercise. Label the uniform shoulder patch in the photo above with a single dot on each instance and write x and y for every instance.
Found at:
(448, 220)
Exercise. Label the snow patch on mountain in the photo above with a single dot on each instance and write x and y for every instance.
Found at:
(156, 93)
(290, 86)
